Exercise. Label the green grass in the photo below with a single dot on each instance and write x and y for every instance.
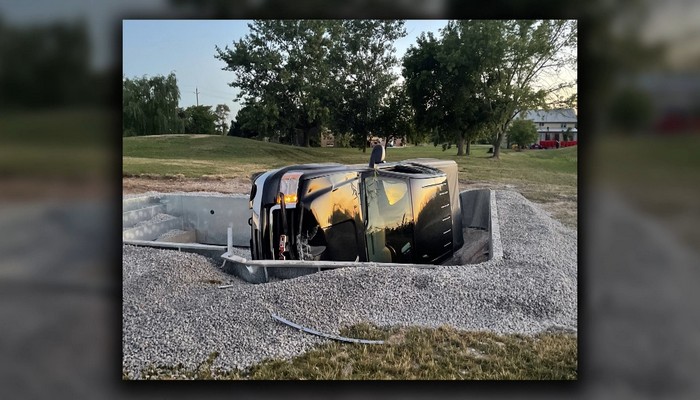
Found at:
(409, 354)
(543, 175)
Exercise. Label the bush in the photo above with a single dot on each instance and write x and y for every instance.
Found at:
(522, 132)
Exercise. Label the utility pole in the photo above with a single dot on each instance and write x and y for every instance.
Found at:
(196, 92)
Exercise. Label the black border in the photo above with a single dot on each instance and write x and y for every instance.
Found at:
(401, 389)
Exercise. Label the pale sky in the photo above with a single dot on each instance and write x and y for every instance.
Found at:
(187, 47)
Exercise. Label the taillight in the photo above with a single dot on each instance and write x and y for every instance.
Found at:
(289, 184)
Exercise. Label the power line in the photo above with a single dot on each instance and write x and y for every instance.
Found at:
(217, 96)
(197, 92)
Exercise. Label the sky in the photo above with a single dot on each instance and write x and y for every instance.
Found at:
(187, 48)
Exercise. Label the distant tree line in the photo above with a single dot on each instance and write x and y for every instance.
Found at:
(150, 107)
(299, 77)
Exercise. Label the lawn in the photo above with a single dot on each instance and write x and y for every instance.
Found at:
(541, 175)
(196, 155)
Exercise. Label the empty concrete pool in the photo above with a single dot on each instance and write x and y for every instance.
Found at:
(200, 222)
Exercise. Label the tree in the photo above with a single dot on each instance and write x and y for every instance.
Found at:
(149, 106)
(365, 56)
(221, 113)
(396, 116)
(568, 134)
(441, 80)
(249, 124)
(283, 67)
(519, 61)
(200, 120)
(522, 132)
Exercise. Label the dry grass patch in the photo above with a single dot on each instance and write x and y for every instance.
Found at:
(410, 354)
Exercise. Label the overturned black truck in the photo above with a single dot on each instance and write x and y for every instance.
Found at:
(400, 212)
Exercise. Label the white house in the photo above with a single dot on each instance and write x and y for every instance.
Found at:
(552, 124)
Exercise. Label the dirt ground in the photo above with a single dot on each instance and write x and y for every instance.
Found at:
(563, 208)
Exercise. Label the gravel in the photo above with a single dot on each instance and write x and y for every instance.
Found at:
(174, 312)
(171, 234)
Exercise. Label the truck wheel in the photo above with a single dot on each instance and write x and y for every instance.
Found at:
(248, 273)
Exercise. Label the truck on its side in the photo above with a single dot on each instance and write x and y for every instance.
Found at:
(400, 212)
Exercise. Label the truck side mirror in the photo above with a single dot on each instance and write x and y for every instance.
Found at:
(377, 156)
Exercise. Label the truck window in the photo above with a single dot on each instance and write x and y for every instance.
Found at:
(389, 219)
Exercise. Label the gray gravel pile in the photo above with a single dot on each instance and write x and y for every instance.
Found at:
(174, 312)
(171, 234)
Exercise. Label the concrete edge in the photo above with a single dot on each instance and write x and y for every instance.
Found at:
(319, 264)
(495, 247)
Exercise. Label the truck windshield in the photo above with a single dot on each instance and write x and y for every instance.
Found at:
(389, 221)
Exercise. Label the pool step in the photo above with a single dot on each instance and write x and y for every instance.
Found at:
(131, 218)
(152, 230)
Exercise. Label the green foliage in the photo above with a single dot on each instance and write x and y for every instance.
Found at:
(301, 76)
(422, 71)
(343, 140)
(471, 82)
(221, 112)
(199, 120)
(523, 52)
(255, 120)
(364, 57)
(522, 132)
(150, 106)
(442, 76)
(282, 68)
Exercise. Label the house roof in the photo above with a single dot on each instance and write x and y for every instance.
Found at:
(552, 116)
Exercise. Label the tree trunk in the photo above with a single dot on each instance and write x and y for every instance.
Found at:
(313, 131)
(307, 136)
(497, 145)
(460, 146)
(469, 147)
